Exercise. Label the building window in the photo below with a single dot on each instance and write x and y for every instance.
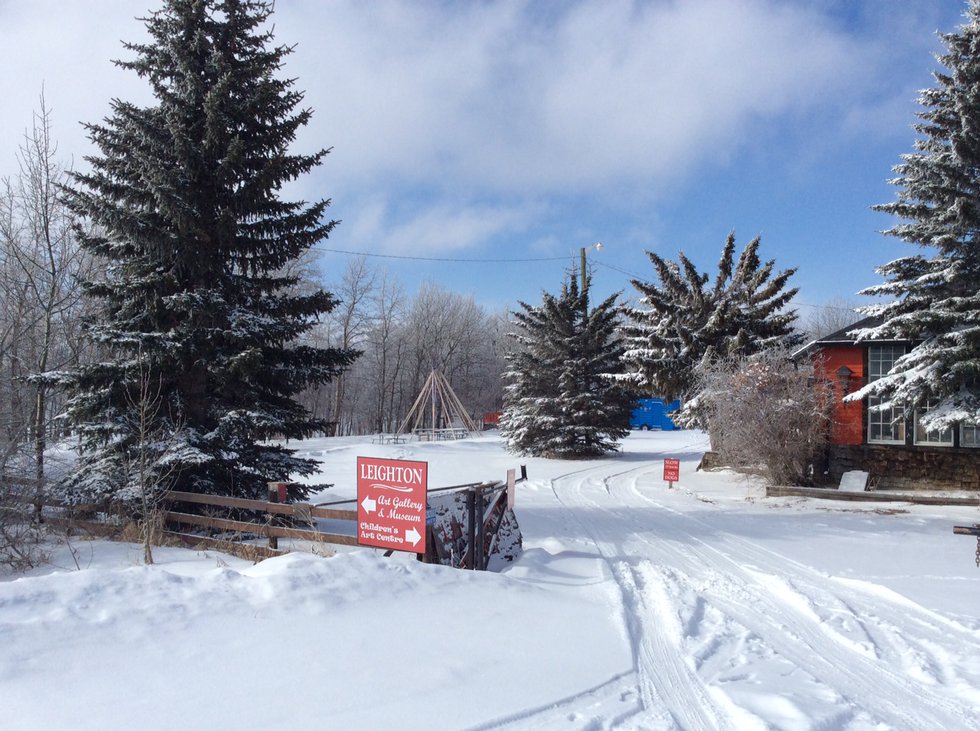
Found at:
(969, 435)
(881, 358)
(885, 426)
(932, 437)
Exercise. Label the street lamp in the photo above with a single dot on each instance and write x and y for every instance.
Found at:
(585, 293)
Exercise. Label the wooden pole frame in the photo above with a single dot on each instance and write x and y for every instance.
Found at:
(443, 402)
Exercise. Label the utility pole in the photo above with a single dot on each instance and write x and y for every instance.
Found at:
(585, 288)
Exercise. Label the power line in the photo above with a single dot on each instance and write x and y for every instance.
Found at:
(615, 269)
(792, 304)
(632, 275)
(441, 258)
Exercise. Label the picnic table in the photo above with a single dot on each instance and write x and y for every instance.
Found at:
(428, 435)
(389, 439)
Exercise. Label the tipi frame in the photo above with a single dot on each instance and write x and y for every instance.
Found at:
(447, 417)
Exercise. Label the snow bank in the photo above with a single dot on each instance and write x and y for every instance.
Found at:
(633, 606)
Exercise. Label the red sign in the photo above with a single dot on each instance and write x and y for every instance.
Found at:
(391, 495)
(672, 470)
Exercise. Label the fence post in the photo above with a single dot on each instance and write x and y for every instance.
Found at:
(273, 498)
(481, 559)
(471, 526)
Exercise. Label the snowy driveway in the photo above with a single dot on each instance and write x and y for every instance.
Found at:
(633, 607)
(729, 632)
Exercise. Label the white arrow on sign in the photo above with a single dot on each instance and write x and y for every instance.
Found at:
(412, 536)
(369, 505)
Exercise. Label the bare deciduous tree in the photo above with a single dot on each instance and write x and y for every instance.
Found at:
(20, 536)
(836, 314)
(41, 290)
(150, 469)
(451, 333)
(351, 321)
(767, 411)
(403, 340)
(385, 353)
(40, 312)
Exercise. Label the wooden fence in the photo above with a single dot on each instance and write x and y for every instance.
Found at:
(466, 524)
(271, 526)
(274, 520)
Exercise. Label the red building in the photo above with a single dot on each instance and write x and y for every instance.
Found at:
(890, 444)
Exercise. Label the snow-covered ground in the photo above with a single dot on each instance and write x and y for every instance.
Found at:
(633, 606)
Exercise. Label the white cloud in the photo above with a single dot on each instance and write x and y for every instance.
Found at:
(501, 98)
(441, 228)
(66, 48)
(472, 109)
(508, 96)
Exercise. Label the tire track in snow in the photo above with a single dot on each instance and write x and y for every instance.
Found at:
(666, 682)
(854, 643)
(597, 708)
(865, 617)
(796, 635)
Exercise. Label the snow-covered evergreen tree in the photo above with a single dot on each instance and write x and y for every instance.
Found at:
(185, 195)
(561, 398)
(936, 295)
(682, 321)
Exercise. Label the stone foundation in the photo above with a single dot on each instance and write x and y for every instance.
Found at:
(711, 461)
(907, 468)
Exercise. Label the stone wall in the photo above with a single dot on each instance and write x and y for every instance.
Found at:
(908, 468)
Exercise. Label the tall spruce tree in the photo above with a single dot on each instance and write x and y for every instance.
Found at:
(681, 320)
(185, 195)
(561, 398)
(937, 294)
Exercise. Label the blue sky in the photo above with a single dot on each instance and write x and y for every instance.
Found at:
(516, 131)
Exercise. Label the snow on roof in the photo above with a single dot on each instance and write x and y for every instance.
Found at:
(845, 336)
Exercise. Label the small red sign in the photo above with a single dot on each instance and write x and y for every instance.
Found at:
(391, 496)
(672, 470)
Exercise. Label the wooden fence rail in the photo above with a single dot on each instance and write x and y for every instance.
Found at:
(269, 522)
(262, 506)
(269, 528)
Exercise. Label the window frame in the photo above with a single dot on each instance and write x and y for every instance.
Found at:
(877, 418)
(925, 441)
(895, 426)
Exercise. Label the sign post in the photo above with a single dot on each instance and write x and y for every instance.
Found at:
(672, 472)
(391, 497)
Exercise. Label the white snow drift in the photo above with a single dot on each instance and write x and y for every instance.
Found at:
(633, 606)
